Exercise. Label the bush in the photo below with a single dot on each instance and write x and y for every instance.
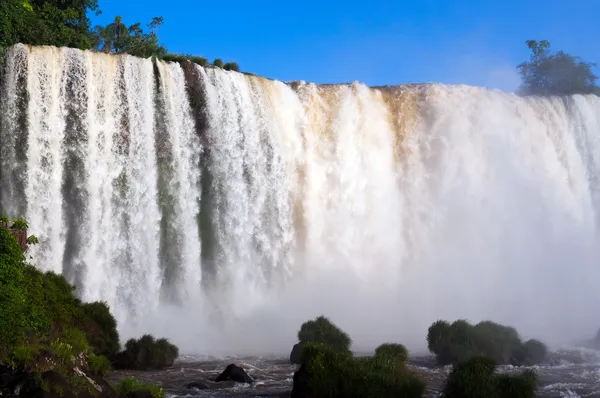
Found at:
(231, 66)
(322, 330)
(101, 328)
(183, 58)
(41, 319)
(392, 352)
(99, 364)
(19, 223)
(147, 353)
(198, 60)
(475, 378)
(130, 385)
(459, 341)
(531, 352)
(326, 372)
(218, 63)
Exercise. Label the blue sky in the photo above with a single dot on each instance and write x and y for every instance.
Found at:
(376, 42)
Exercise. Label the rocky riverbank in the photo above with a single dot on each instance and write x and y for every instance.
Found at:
(569, 373)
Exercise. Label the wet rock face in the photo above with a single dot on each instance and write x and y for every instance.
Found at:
(296, 354)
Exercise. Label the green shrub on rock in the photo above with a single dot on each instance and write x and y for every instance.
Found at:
(99, 365)
(326, 372)
(320, 330)
(459, 341)
(531, 352)
(231, 66)
(475, 378)
(146, 353)
(43, 324)
(393, 352)
(129, 385)
(101, 328)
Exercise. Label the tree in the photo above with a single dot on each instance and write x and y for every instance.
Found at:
(132, 40)
(44, 22)
(555, 73)
(117, 34)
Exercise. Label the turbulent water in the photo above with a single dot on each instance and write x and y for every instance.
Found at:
(223, 209)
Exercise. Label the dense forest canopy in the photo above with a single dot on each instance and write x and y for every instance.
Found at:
(65, 23)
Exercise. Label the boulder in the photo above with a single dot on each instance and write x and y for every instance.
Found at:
(235, 373)
(198, 384)
(296, 354)
(300, 387)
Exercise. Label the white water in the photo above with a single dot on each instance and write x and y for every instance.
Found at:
(383, 209)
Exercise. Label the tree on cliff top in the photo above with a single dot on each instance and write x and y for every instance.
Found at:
(555, 73)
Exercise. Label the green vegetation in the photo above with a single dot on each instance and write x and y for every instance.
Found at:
(147, 353)
(231, 66)
(322, 330)
(555, 73)
(185, 57)
(218, 63)
(101, 328)
(328, 368)
(130, 385)
(43, 325)
(118, 38)
(392, 352)
(45, 22)
(326, 372)
(475, 378)
(99, 364)
(456, 342)
(65, 23)
(19, 223)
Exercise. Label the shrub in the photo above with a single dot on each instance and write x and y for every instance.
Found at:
(436, 336)
(147, 353)
(130, 385)
(184, 57)
(101, 328)
(322, 330)
(218, 63)
(326, 372)
(392, 352)
(23, 357)
(41, 318)
(475, 378)
(19, 223)
(198, 60)
(231, 66)
(16, 315)
(523, 385)
(99, 364)
(531, 352)
(459, 341)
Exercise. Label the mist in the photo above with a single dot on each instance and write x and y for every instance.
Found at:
(383, 210)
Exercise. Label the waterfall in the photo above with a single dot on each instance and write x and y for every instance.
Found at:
(224, 209)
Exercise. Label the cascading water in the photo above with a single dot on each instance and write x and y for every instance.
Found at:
(223, 209)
